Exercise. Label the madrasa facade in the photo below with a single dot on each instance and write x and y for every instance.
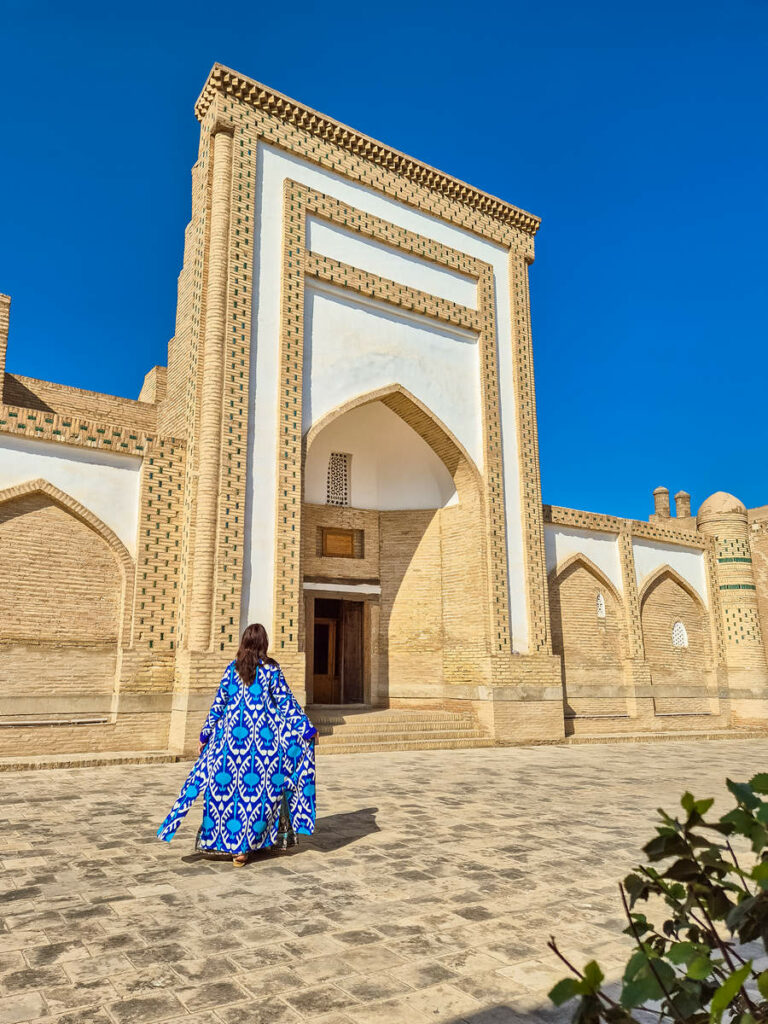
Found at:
(343, 446)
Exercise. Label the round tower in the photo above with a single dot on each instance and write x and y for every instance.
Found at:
(661, 508)
(724, 517)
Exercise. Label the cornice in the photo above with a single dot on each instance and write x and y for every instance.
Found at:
(228, 82)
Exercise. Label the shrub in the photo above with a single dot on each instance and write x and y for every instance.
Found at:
(691, 969)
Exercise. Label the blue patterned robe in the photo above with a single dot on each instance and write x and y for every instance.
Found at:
(258, 746)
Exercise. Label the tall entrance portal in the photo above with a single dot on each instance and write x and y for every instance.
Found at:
(336, 667)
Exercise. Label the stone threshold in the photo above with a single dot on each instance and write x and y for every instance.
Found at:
(667, 736)
(106, 758)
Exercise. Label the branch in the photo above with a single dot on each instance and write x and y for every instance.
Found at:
(741, 873)
(574, 970)
(641, 945)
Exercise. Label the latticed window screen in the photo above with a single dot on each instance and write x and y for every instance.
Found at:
(679, 635)
(337, 491)
(600, 603)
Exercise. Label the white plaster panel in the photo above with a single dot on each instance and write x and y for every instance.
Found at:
(352, 347)
(106, 483)
(690, 563)
(273, 167)
(391, 467)
(601, 548)
(375, 257)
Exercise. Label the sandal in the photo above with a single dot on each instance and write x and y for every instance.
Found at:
(240, 860)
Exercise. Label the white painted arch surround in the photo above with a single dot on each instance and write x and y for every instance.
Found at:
(392, 467)
(690, 563)
(560, 542)
(442, 371)
(106, 483)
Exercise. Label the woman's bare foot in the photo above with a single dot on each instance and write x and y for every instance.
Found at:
(240, 860)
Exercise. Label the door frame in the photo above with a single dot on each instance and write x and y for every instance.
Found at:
(333, 677)
(370, 604)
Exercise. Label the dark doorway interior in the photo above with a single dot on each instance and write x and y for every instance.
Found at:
(337, 670)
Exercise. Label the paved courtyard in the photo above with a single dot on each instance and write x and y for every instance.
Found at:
(427, 893)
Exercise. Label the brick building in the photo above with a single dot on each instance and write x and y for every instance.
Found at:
(343, 446)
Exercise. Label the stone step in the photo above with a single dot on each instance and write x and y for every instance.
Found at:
(397, 736)
(420, 743)
(382, 728)
(678, 736)
(329, 716)
(42, 761)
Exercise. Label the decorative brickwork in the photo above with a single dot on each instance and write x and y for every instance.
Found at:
(321, 139)
(300, 202)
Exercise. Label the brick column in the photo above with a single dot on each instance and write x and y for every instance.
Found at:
(637, 675)
(211, 398)
(5, 317)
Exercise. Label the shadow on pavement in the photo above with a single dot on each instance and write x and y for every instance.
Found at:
(333, 832)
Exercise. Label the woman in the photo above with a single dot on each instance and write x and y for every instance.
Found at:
(256, 761)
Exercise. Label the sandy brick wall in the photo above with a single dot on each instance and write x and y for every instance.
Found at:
(679, 674)
(592, 648)
(61, 617)
(758, 543)
(466, 644)
(411, 626)
(45, 396)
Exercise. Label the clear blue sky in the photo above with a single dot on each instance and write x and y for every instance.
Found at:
(637, 132)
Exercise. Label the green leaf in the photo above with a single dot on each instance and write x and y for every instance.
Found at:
(665, 973)
(564, 990)
(636, 964)
(740, 819)
(684, 952)
(728, 991)
(702, 806)
(593, 976)
(746, 1018)
(687, 802)
(759, 782)
(762, 984)
(760, 874)
(637, 992)
(743, 793)
(699, 968)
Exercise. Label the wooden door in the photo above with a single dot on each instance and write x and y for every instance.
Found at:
(324, 661)
(352, 652)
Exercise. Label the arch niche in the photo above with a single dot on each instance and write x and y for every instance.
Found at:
(682, 677)
(592, 646)
(418, 569)
(64, 606)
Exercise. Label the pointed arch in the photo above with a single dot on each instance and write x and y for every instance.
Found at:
(93, 522)
(578, 558)
(687, 670)
(592, 648)
(422, 421)
(666, 571)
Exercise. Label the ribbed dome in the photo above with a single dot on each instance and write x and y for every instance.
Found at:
(720, 503)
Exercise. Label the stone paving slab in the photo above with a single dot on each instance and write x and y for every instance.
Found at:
(427, 893)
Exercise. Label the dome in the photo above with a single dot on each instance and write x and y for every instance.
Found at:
(721, 503)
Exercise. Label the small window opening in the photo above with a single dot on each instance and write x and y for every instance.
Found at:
(600, 606)
(337, 489)
(679, 635)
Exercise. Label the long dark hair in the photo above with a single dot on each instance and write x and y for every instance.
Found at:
(252, 651)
